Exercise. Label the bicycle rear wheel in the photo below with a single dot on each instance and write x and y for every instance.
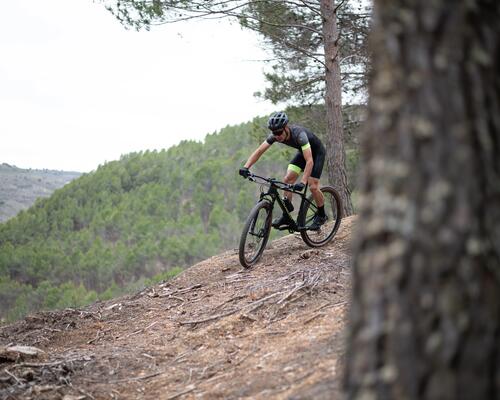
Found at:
(333, 210)
(255, 234)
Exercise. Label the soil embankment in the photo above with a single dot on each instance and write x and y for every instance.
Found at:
(275, 331)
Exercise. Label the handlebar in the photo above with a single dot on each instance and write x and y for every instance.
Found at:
(273, 182)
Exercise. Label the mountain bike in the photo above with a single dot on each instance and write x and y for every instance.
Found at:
(257, 227)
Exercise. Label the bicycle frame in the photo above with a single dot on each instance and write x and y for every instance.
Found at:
(257, 228)
(273, 196)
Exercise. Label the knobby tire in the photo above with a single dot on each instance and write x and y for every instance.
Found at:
(255, 234)
(333, 209)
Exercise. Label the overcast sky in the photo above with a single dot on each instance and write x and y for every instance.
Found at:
(77, 89)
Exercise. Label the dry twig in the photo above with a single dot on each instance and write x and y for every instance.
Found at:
(142, 330)
(13, 376)
(189, 389)
(189, 289)
(213, 317)
(259, 303)
(314, 317)
(239, 297)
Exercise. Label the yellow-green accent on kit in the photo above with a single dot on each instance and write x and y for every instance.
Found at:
(294, 168)
(306, 146)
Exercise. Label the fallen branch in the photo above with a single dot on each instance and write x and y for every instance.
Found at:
(85, 394)
(141, 330)
(40, 365)
(98, 335)
(259, 303)
(12, 352)
(13, 376)
(51, 364)
(189, 389)
(171, 296)
(276, 332)
(243, 359)
(188, 289)
(215, 377)
(314, 317)
(213, 317)
(181, 356)
(292, 292)
(341, 303)
(321, 307)
(137, 378)
(291, 301)
(239, 297)
(249, 317)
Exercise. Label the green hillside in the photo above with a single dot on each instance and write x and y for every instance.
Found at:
(144, 216)
(140, 219)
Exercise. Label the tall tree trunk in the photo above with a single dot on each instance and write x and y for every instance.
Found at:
(337, 171)
(425, 316)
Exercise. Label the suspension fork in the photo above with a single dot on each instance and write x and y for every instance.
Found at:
(269, 199)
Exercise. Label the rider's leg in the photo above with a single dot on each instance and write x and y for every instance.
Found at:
(291, 176)
(320, 218)
(295, 168)
(314, 187)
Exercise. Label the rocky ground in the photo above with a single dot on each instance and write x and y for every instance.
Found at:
(275, 331)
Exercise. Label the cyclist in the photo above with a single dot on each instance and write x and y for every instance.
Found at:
(309, 159)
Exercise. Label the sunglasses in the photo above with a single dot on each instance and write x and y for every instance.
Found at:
(278, 133)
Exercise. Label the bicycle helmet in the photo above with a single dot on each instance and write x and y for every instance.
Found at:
(277, 121)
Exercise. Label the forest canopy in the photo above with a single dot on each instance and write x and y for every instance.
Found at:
(141, 218)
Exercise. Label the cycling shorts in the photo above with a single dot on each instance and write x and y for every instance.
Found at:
(298, 163)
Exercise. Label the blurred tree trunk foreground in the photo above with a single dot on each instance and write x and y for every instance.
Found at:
(425, 317)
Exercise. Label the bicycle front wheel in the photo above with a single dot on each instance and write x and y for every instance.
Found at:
(255, 234)
(333, 210)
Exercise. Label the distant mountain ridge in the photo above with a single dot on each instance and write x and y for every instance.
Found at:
(19, 188)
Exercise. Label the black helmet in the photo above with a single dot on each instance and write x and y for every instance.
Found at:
(277, 121)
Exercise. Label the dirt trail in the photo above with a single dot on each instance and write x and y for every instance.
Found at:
(216, 331)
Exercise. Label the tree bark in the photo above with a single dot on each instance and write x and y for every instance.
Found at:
(425, 316)
(337, 171)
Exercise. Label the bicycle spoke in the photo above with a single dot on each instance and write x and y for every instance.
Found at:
(255, 234)
(321, 236)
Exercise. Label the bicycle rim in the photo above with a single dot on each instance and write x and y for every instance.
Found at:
(255, 234)
(333, 209)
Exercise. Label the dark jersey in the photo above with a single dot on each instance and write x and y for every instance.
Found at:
(301, 139)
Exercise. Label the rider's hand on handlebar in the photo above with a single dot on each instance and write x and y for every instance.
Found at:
(298, 187)
(244, 172)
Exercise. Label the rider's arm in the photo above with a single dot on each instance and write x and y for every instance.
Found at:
(307, 153)
(256, 154)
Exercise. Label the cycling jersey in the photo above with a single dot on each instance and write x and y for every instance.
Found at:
(301, 139)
